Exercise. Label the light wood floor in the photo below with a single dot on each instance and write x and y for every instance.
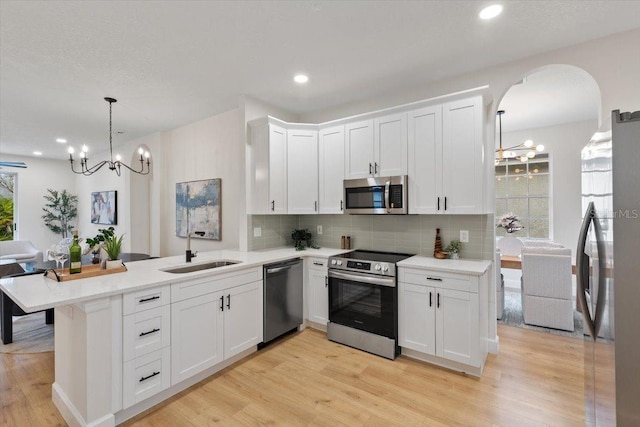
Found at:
(537, 379)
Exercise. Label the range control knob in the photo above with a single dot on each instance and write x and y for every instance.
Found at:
(377, 267)
(339, 262)
(385, 268)
(333, 262)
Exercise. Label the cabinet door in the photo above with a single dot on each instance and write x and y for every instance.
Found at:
(319, 296)
(277, 170)
(457, 326)
(197, 335)
(416, 318)
(390, 145)
(242, 318)
(358, 150)
(462, 143)
(331, 176)
(302, 171)
(425, 160)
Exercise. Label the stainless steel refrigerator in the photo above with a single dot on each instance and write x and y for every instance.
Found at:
(611, 312)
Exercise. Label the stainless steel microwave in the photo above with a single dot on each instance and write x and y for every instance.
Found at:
(385, 195)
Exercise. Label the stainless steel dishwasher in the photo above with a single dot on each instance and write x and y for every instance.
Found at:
(282, 298)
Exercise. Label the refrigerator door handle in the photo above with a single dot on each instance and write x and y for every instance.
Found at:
(602, 267)
(582, 271)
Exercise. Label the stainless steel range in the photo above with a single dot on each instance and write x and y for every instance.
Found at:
(363, 301)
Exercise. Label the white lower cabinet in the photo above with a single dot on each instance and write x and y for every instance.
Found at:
(318, 291)
(210, 328)
(145, 376)
(439, 315)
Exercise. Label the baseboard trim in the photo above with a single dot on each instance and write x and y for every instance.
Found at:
(71, 414)
(494, 345)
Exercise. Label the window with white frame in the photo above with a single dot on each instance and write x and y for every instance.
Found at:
(524, 190)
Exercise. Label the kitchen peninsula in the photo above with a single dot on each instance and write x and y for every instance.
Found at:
(125, 342)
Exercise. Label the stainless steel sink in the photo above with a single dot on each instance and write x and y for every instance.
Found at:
(199, 267)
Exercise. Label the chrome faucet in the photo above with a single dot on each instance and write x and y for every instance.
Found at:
(190, 254)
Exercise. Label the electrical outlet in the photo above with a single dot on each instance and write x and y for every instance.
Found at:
(464, 236)
(319, 229)
(257, 231)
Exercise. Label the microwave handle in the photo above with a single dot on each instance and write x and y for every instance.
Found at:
(387, 186)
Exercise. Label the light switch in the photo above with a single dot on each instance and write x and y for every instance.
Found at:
(257, 231)
(464, 236)
(319, 229)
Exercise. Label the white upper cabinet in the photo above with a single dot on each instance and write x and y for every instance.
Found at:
(376, 147)
(331, 176)
(462, 156)
(302, 189)
(390, 145)
(358, 150)
(446, 158)
(268, 151)
(425, 159)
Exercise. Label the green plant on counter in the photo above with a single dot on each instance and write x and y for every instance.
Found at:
(108, 240)
(303, 239)
(453, 249)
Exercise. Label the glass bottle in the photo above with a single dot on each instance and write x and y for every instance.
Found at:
(75, 255)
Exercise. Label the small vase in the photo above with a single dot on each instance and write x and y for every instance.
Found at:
(114, 264)
(454, 256)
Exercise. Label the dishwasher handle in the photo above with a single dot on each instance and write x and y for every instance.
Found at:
(282, 266)
(278, 269)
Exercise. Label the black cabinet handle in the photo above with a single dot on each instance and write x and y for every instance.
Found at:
(149, 376)
(222, 303)
(438, 203)
(318, 263)
(437, 279)
(445, 203)
(370, 169)
(149, 332)
(315, 206)
(341, 205)
(229, 301)
(273, 205)
(438, 299)
(326, 281)
(148, 299)
(375, 170)
(430, 299)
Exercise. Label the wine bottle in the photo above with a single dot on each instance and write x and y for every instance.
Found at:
(75, 255)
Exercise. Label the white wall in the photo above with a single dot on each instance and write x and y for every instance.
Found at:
(207, 149)
(564, 144)
(32, 185)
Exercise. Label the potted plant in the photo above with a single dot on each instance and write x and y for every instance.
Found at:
(107, 240)
(302, 237)
(453, 249)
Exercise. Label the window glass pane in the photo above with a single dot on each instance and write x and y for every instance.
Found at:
(538, 185)
(501, 187)
(539, 208)
(539, 228)
(517, 169)
(518, 207)
(517, 186)
(501, 207)
(501, 169)
(7, 188)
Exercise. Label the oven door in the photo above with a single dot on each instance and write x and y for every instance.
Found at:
(363, 301)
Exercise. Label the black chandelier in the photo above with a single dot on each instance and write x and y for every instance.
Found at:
(113, 165)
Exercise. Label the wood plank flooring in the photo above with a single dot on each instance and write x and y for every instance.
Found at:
(306, 380)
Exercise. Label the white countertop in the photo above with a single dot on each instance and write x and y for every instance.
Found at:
(463, 266)
(36, 292)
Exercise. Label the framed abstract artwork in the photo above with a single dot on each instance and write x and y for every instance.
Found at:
(198, 208)
(104, 207)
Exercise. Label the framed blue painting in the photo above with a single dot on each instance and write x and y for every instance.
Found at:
(198, 208)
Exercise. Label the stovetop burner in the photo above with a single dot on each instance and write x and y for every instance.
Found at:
(375, 256)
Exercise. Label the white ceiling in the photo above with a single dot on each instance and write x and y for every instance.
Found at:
(172, 63)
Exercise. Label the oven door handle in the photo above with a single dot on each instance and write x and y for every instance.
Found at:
(363, 278)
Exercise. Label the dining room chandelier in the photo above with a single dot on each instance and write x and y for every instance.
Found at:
(114, 165)
(523, 152)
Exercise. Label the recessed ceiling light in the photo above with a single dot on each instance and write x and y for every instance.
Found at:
(61, 140)
(490, 12)
(300, 78)
(37, 153)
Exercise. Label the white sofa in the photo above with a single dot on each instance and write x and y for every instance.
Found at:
(20, 250)
(546, 287)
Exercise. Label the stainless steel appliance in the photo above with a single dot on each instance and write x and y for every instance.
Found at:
(282, 298)
(363, 301)
(381, 195)
(611, 202)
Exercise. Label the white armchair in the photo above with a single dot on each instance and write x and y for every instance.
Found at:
(22, 251)
(546, 287)
(499, 287)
